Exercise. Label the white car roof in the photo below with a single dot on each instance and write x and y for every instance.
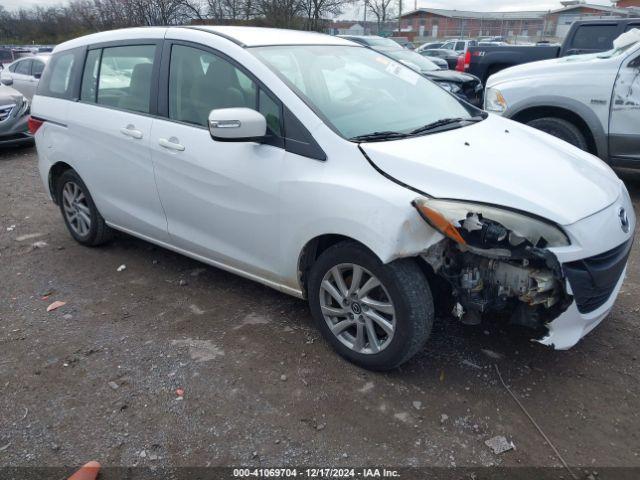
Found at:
(258, 36)
(245, 36)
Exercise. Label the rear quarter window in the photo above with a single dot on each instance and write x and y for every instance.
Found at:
(60, 78)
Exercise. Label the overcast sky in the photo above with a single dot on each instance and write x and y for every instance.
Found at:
(486, 5)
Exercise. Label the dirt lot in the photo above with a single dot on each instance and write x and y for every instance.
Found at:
(97, 378)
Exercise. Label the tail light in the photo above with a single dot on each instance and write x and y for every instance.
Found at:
(34, 124)
(460, 64)
(467, 60)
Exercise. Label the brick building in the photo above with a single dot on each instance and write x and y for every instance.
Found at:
(531, 25)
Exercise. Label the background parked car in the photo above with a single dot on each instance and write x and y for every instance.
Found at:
(591, 101)
(386, 44)
(463, 85)
(460, 46)
(430, 45)
(14, 115)
(449, 56)
(24, 74)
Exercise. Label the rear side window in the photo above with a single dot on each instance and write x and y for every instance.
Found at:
(23, 67)
(125, 75)
(594, 37)
(460, 46)
(60, 76)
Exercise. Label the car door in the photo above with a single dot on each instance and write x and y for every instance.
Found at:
(21, 76)
(37, 66)
(112, 123)
(220, 198)
(624, 134)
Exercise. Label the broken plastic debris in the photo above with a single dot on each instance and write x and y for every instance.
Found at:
(121, 268)
(499, 444)
(39, 244)
(11, 228)
(55, 305)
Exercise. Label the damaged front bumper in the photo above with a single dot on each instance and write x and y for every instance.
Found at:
(561, 291)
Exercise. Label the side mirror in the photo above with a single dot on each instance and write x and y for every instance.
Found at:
(7, 81)
(37, 76)
(237, 125)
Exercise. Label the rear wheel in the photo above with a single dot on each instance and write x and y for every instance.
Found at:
(377, 316)
(562, 129)
(84, 222)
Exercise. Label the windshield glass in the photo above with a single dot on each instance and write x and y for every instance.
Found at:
(413, 60)
(359, 91)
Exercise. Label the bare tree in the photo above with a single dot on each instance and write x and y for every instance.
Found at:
(381, 9)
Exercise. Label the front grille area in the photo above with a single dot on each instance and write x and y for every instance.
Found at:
(593, 279)
(5, 111)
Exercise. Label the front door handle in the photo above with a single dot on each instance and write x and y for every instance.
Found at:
(130, 131)
(171, 144)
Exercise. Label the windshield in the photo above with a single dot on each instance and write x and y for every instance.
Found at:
(359, 91)
(413, 60)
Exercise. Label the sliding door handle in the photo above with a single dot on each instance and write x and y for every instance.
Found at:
(130, 131)
(171, 144)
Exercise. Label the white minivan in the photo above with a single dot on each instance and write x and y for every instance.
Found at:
(331, 172)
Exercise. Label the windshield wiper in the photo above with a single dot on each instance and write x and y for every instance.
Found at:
(379, 136)
(444, 122)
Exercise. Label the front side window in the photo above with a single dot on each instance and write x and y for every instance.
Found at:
(359, 91)
(37, 68)
(200, 81)
(125, 77)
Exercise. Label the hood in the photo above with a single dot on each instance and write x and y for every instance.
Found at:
(572, 64)
(501, 162)
(451, 76)
(9, 95)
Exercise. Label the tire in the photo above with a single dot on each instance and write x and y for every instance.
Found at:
(562, 129)
(403, 289)
(92, 233)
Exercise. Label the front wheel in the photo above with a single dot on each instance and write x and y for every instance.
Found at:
(376, 316)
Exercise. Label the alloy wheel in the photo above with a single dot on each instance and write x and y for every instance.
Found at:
(357, 308)
(76, 209)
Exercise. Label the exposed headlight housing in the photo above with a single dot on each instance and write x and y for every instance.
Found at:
(494, 101)
(451, 87)
(486, 226)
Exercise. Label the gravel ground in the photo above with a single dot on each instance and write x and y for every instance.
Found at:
(97, 378)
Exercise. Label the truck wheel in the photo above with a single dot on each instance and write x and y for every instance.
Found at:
(376, 316)
(562, 129)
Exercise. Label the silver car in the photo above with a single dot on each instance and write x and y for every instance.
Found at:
(24, 74)
(14, 116)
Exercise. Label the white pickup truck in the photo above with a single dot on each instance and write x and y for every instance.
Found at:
(591, 101)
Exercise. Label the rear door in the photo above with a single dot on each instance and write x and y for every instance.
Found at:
(112, 126)
(624, 134)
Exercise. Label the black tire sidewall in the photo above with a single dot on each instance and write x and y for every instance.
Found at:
(561, 129)
(72, 176)
(407, 330)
